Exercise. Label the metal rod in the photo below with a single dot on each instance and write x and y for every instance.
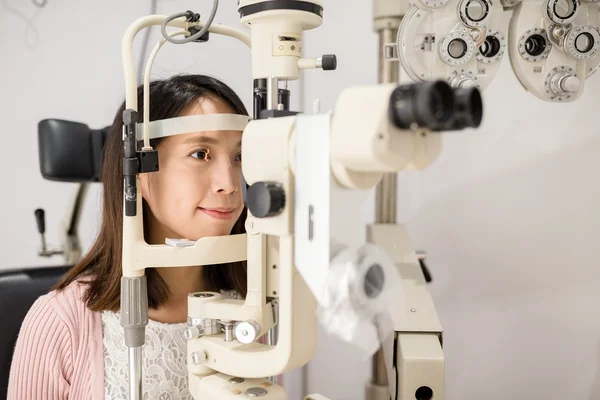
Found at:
(385, 195)
(272, 93)
(135, 373)
(272, 334)
(228, 325)
(44, 245)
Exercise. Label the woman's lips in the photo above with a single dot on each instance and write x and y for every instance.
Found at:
(218, 213)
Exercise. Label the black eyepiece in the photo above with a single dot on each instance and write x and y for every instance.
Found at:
(468, 108)
(435, 106)
(427, 104)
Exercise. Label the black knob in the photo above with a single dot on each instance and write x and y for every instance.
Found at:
(41, 220)
(265, 199)
(329, 62)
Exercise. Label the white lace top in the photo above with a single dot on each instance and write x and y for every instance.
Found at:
(164, 359)
(165, 375)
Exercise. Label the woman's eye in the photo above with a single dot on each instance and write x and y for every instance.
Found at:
(238, 157)
(201, 154)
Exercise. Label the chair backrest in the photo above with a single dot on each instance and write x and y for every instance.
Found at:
(19, 289)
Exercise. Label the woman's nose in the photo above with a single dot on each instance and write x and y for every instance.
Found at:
(226, 179)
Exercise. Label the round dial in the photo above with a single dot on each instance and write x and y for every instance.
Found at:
(457, 48)
(534, 45)
(492, 49)
(582, 42)
(474, 13)
(562, 12)
(432, 4)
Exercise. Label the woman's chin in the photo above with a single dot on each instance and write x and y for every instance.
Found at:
(212, 232)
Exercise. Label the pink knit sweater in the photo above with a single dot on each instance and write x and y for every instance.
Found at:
(59, 352)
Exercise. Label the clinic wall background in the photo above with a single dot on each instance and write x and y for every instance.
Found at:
(508, 214)
(509, 218)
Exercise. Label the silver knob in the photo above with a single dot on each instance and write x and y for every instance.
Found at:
(463, 82)
(247, 332)
(193, 332)
(564, 82)
(256, 392)
(198, 357)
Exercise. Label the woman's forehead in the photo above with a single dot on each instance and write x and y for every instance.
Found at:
(207, 105)
(218, 138)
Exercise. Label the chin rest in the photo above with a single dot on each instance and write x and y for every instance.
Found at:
(70, 151)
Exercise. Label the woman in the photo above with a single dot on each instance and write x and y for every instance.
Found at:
(71, 343)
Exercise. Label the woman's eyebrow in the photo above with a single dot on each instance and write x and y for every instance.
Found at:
(206, 140)
(200, 139)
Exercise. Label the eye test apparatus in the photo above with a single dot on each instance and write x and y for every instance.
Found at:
(372, 296)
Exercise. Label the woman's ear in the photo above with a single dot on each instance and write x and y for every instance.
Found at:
(145, 185)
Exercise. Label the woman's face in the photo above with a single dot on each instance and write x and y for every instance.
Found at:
(197, 190)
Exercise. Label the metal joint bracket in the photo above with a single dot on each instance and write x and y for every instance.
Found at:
(390, 52)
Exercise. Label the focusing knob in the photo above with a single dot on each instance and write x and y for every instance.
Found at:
(565, 83)
(265, 199)
(329, 62)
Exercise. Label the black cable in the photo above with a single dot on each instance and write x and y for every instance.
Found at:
(191, 17)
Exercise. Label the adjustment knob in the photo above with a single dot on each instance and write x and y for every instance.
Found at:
(247, 332)
(329, 62)
(193, 332)
(565, 83)
(265, 199)
(463, 82)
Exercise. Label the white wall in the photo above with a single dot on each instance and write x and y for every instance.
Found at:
(507, 214)
(509, 218)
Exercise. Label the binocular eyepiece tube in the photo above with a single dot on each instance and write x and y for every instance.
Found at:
(436, 106)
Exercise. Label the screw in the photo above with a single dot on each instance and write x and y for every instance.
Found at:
(413, 310)
(274, 266)
(293, 47)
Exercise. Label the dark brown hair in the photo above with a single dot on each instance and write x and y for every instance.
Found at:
(101, 267)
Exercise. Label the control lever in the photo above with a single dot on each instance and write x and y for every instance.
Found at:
(426, 274)
(45, 251)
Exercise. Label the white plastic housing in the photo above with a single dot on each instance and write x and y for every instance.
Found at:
(365, 144)
(277, 39)
(297, 335)
(536, 73)
(265, 145)
(225, 387)
(419, 359)
(426, 32)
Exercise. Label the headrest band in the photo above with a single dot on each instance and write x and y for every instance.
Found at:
(194, 123)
